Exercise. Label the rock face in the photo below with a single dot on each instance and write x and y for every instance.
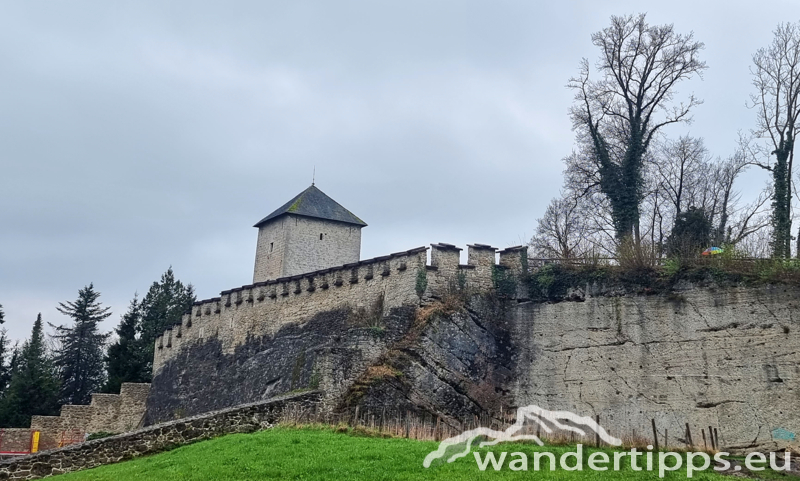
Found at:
(454, 362)
(726, 358)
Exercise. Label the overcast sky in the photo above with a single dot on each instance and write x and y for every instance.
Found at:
(139, 135)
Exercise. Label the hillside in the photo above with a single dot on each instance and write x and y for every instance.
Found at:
(322, 454)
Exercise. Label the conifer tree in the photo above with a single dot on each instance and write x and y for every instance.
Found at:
(124, 361)
(5, 367)
(79, 355)
(5, 371)
(34, 387)
(130, 357)
(16, 353)
(161, 308)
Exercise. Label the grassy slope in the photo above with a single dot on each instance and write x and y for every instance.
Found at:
(321, 454)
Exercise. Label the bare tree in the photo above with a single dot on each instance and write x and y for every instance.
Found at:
(681, 175)
(561, 232)
(581, 182)
(776, 76)
(619, 114)
(680, 168)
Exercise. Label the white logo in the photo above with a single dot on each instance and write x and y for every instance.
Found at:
(547, 420)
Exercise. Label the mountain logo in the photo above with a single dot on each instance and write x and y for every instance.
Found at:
(547, 421)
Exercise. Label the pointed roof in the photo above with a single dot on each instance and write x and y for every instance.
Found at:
(312, 202)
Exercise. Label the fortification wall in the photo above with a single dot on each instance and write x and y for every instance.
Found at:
(114, 413)
(391, 281)
(722, 357)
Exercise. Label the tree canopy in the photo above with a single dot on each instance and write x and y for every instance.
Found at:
(618, 115)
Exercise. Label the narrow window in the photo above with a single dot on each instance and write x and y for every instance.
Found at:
(270, 246)
(320, 237)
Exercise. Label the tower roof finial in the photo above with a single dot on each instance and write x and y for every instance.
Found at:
(314, 175)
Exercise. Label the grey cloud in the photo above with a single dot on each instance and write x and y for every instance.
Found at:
(138, 135)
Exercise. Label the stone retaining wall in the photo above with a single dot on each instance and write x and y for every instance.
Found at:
(160, 437)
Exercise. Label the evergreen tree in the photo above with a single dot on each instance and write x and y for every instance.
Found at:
(5, 367)
(5, 371)
(79, 356)
(690, 234)
(16, 353)
(130, 357)
(161, 308)
(124, 361)
(34, 387)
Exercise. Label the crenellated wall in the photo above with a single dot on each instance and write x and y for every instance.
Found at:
(390, 281)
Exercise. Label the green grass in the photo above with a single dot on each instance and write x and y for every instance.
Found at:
(322, 454)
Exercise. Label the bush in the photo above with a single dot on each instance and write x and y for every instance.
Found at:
(99, 435)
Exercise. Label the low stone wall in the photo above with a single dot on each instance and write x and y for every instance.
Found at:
(20, 440)
(160, 437)
(114, 413)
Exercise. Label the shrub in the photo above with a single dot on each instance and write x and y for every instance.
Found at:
(99, 435)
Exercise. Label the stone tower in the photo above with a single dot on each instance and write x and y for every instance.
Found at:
(309, 233)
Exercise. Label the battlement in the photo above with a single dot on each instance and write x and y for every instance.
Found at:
(390, 281)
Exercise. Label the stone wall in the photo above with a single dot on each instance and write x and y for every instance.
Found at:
(263, 308)
(707, 356)
(727, 358)
(292, 245)
(114, 413)
(321, 330)
(20, 440)
(154, 439)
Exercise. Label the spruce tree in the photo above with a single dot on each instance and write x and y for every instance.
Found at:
(79, 355)
(162, 307)
(124, 361)
(34, 387)
(5, 371)
(5, 367)
(130, 357)
(16, 353)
